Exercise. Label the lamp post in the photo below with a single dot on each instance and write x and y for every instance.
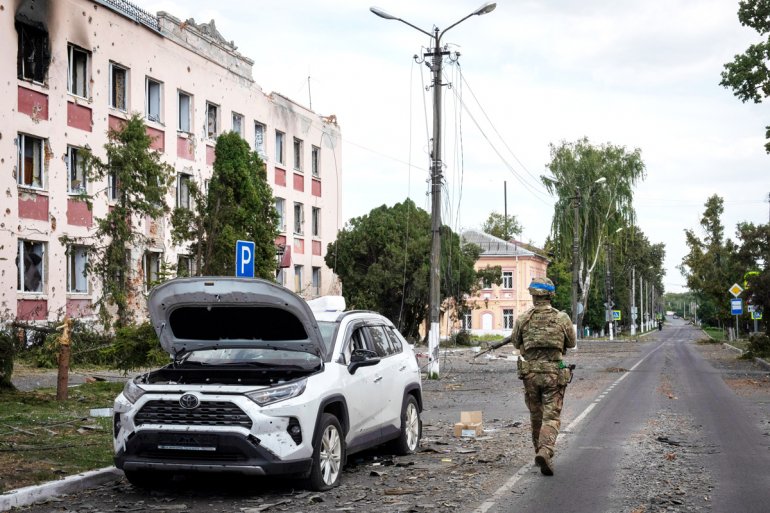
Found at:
(576, 252)
(436, 54)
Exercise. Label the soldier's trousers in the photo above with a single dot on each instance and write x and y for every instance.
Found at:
(544, 396)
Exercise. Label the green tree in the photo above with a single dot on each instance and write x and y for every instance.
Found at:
(754, 255)
(383, 261)
(142, 181)
(748, 74)
(239, 206)
(501, 226)
(710, 266)
(599, 182)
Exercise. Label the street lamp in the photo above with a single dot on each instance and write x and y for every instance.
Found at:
(437, 55)
(576, 252)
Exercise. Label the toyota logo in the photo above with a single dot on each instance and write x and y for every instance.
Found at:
(189, 401)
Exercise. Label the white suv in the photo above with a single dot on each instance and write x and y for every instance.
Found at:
(264, 383)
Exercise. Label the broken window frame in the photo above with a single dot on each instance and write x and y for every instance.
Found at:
(316, 283)
(297, 151)
(36, 178)
(299, 218)
(280, 207)
(77, 265)
(212, 120)
(315, 217)
(183, 191)
(280, 276)
(279, 146)
(237, 121)
(184, 122)
(118, 87)
(153, 98)
(78, 71)
(32, 64)
(77, 180)
(113, 187)
(298, 270)
(185, 266)
(508, 318)
(259, 138)
(27, 273)
(151, 265)
(315, 161)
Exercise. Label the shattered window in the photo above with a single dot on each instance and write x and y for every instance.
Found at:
(152, 260)
(77, 258)
(30, 261)
(316, 221)
(184, 266)
(298, 278)
(77, 80)
(76, 177)
(299, 218)
(259, 138)
(297, 154)
(118, 81)
(238, 124)
(279, 146)
(33, 57)
(113, 186)
(31, 171)
(153, 90)
(280, 207)
(185, 108)
(316, 281)
(183, 191)
(315, 161)
(212, 120)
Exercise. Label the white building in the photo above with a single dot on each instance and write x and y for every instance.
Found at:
(74, 68)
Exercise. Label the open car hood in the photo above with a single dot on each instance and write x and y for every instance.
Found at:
(218, 312)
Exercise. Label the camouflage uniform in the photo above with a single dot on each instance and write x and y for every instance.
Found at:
(543, 334)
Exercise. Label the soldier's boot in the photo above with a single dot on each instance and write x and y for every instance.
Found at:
(543, 460)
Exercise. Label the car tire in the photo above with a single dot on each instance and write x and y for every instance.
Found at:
(411, 428)
(328, 454)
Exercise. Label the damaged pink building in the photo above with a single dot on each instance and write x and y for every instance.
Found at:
(72, 69)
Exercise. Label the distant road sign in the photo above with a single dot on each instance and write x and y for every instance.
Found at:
(736, 306)
(244, 258)
(735, 290)
(757, 316)
(616, 315)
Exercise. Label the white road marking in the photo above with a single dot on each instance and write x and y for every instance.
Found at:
(508, 485)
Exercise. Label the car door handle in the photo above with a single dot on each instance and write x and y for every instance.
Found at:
(403, 367)
(378, 379)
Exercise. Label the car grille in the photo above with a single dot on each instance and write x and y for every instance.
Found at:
(209, 413)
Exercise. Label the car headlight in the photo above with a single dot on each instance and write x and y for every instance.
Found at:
(279, 393)
(132, 391)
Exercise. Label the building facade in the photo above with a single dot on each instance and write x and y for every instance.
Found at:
(73, 69)
(496, 307)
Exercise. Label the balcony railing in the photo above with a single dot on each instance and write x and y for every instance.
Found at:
(130, 10)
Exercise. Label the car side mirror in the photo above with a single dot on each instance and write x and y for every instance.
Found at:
(362, 358)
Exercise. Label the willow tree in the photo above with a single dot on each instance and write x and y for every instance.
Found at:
(597, 184)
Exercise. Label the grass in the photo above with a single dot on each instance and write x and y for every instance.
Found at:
(42, 439)
(715, 333)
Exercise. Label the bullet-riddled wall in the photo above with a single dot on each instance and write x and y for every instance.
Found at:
(72, 69)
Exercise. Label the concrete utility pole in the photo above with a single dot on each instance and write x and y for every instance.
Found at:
(437, 56)
(633, 297)
(575, 261)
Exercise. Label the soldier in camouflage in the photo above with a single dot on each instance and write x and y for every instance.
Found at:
(543, 334)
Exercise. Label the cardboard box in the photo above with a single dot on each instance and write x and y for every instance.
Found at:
(470, 424)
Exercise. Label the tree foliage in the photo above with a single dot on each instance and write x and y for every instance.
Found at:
(598, 181)
(383, 261)
(753, 257)
(239, 205)
(142, 181)
(748, 74)
(501, 226)
(710, 266)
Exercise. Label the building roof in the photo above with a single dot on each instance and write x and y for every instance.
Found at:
(493, 246)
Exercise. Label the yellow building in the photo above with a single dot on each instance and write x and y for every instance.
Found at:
(495, 308)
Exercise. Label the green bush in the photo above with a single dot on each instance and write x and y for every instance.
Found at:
(7, 353)
(136, 346)
(759, 346)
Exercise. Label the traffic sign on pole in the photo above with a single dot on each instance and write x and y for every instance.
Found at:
(244, 258)
(735, 290)
(736, 307)
(616, 315)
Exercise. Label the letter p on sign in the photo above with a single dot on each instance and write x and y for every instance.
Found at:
(244, 258)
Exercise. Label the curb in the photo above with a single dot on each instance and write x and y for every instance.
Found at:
(760, 361)
(36, 493)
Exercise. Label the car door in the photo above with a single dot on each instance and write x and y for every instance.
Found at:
(392, 388)
(362, 390)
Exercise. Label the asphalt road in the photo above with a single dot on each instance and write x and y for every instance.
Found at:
(726, 465)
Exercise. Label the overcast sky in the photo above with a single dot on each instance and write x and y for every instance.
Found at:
(639, 74)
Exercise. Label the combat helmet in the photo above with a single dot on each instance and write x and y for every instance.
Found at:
(542, 287)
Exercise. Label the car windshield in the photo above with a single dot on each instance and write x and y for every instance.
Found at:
(254, 356)
(327, 332)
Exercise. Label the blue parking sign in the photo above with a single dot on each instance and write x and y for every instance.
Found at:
(736, 307)
(244, 258)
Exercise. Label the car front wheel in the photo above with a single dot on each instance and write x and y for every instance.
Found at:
(411, 428)
(328, 454)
